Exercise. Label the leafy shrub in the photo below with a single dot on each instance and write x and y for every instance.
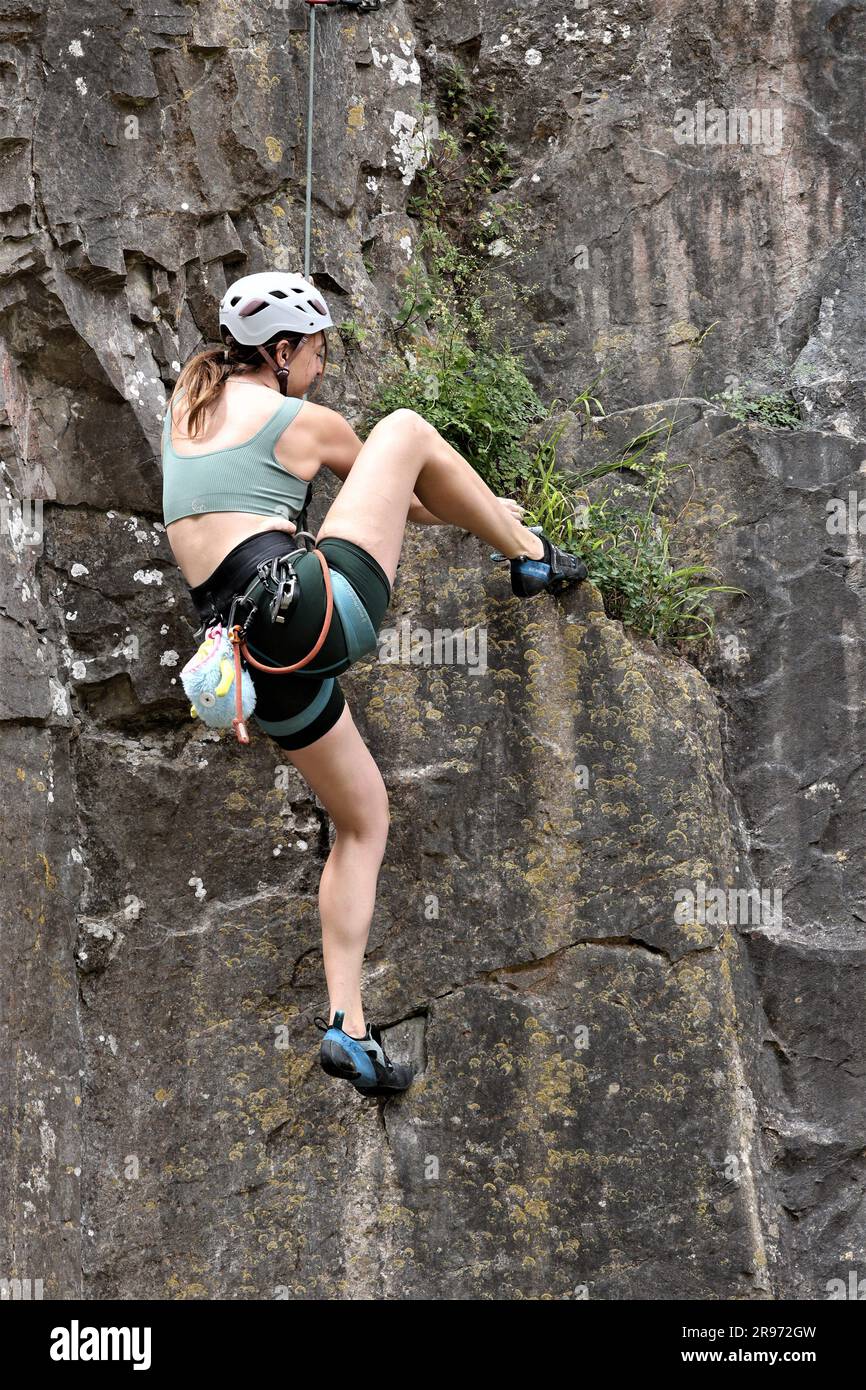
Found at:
(776, 410)
(481, 402)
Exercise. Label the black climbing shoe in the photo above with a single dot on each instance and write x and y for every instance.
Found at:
(361, 1060)
(554, 571)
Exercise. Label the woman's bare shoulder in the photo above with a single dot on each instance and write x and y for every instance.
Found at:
(321, 414)
(336, 443)
(324, 423)
(250, 398)
(237, 412)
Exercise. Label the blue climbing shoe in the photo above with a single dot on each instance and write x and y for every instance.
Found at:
(360, 1060)
(553, 571)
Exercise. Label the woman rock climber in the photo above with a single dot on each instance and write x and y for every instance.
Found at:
(236, 479)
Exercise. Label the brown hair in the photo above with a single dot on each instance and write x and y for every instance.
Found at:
(203, 375)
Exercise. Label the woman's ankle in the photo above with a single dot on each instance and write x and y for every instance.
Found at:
(531, 544)
(355, 1027)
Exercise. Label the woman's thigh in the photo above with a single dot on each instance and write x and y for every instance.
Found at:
(373, 502)
(342, 772)
(293, 710)
(358, 612)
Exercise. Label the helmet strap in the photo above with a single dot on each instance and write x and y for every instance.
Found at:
(281, 373)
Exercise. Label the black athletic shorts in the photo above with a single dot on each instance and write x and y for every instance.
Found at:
(297, 709)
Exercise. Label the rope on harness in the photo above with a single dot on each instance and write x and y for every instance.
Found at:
(237, 637)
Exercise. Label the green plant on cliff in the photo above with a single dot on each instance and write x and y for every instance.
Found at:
(461, 170)
(476, 392)
(453, 87)
(628, 555)
(776, 410)
(480, 401)
(627, 551)
(463, 215)
(628, 547)
(352, 333)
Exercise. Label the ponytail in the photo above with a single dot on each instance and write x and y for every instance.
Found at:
(203, 375)
(202, 378)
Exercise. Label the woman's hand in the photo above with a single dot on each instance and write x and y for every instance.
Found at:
(513, 507)
(275, 523)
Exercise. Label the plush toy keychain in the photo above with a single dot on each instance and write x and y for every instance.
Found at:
(210, 679)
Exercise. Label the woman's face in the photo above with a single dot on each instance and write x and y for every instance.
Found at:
(308, 365)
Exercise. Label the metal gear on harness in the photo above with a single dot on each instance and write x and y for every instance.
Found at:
(278, 579)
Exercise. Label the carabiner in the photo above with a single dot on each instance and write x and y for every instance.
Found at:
(282, 602)
(236, 600)
(310, 537)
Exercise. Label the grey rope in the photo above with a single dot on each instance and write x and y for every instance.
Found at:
(363, 6)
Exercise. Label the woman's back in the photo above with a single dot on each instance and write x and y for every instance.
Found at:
(248, 470)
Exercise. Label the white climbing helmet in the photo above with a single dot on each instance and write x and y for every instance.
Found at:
(256, 307)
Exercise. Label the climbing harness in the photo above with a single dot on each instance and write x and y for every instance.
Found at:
(278, 580)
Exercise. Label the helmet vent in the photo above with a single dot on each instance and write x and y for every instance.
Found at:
(236, 300)
(316, 306)
(279, 294)
(253, 308)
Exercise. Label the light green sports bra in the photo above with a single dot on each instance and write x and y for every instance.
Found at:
(242, 478)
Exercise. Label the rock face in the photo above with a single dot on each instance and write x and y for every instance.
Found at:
(620, 1094)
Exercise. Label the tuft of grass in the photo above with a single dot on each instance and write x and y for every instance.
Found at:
(627, 548)
(628, 555)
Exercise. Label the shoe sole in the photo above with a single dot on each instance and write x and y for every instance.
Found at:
(553, 586)
(336, 1061)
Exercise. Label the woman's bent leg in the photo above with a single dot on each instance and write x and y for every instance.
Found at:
(342, 772)
(403, 454)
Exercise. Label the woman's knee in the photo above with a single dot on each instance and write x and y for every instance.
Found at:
(368, 817)
(406, 421)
